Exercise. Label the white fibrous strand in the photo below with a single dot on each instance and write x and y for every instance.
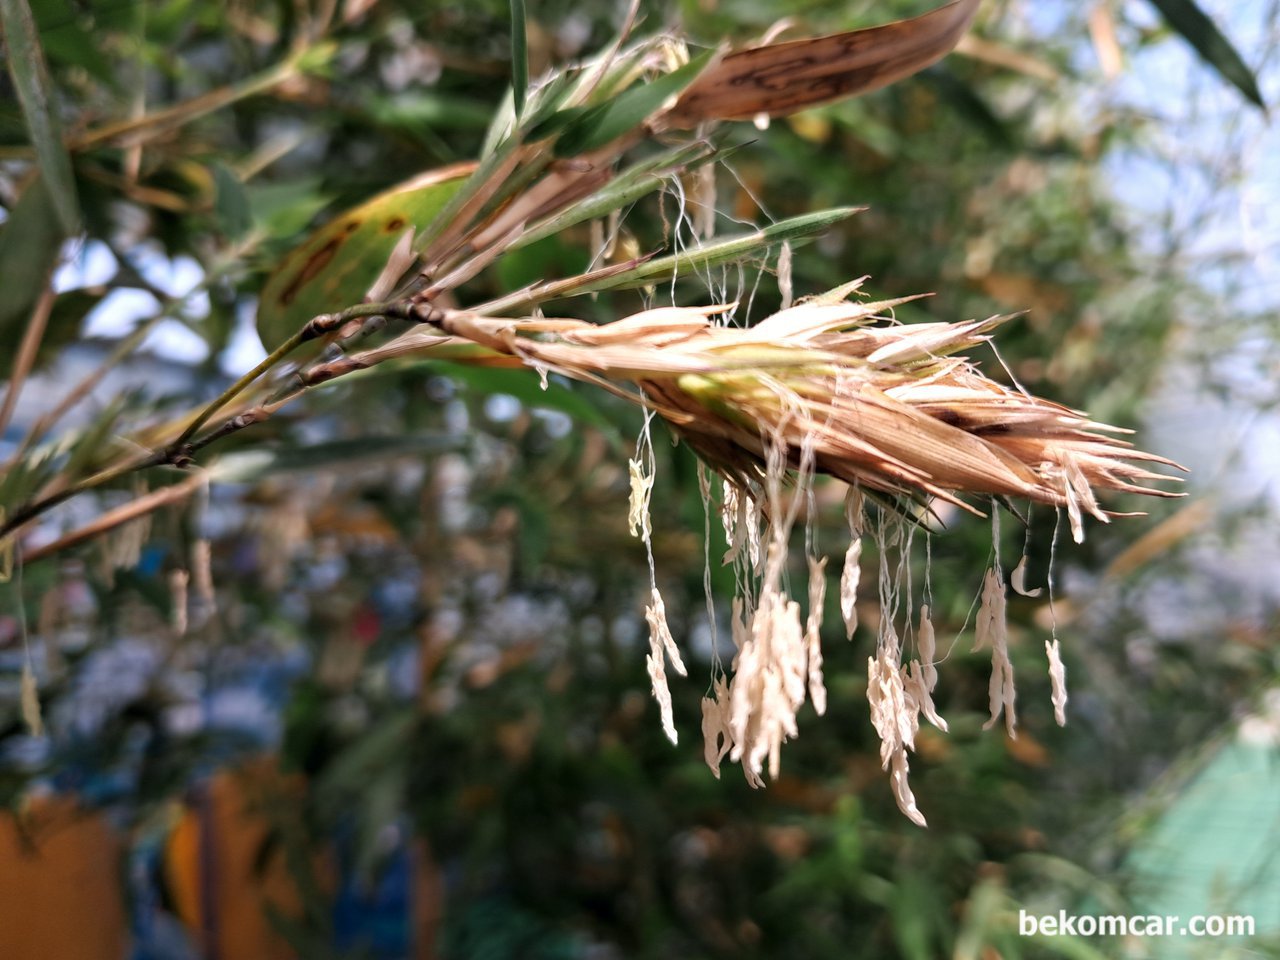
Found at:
(784, 276)
(30, 701)
(178, 581)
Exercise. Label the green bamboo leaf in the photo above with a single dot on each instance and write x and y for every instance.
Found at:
(337, 264)
(67, 43)
(479, 176)
(795, 230)
(243, 466)
(526, 387)
(412, 111)
(968, 103)
(1194, 26)
(230, 202)
(625, 188)
(591, 127)
(29, 243)
(31, 81)
(519, 56)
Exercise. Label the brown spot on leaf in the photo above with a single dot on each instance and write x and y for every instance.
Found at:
(315, 263)
(394, 225)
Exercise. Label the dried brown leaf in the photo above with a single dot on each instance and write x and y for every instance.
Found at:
(782, 78)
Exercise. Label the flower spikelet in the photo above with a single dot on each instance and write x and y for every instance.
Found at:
(661, 646)
(769, 679)
(813, 631)
(641, 489)
(717, 739)
(1058, 680)
(992, 630)
(895, 720)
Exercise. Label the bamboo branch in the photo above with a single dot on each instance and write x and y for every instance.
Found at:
(26, 356)
(135, 130)
(178, 452)
(118, 517)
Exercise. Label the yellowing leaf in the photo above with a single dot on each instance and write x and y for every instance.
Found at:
(335, 267)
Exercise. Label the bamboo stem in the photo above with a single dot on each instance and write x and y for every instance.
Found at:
(26, 357)
(178, 452)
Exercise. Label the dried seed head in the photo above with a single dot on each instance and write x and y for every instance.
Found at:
(887, 406)
(660, 634)
(918, 691)
(834, 387)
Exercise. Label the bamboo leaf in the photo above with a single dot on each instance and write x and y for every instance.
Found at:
(337, 264)
(31, 81)
(591, 127)
(67, 44)
(781, 78)
(243, 466)
(524, 385)
(519, 56)
(29, 243)
(1194, 26)
(231, 202)
(625, 188)
(795, 230)
(969, 104)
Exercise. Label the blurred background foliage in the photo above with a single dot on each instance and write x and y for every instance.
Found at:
(421, 666)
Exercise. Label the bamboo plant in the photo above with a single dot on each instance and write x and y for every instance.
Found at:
(830, 386)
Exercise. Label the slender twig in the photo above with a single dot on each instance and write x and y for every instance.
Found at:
(314, 328)
(85, 386)
(26, 357)
(119, 516)
(124, 133)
